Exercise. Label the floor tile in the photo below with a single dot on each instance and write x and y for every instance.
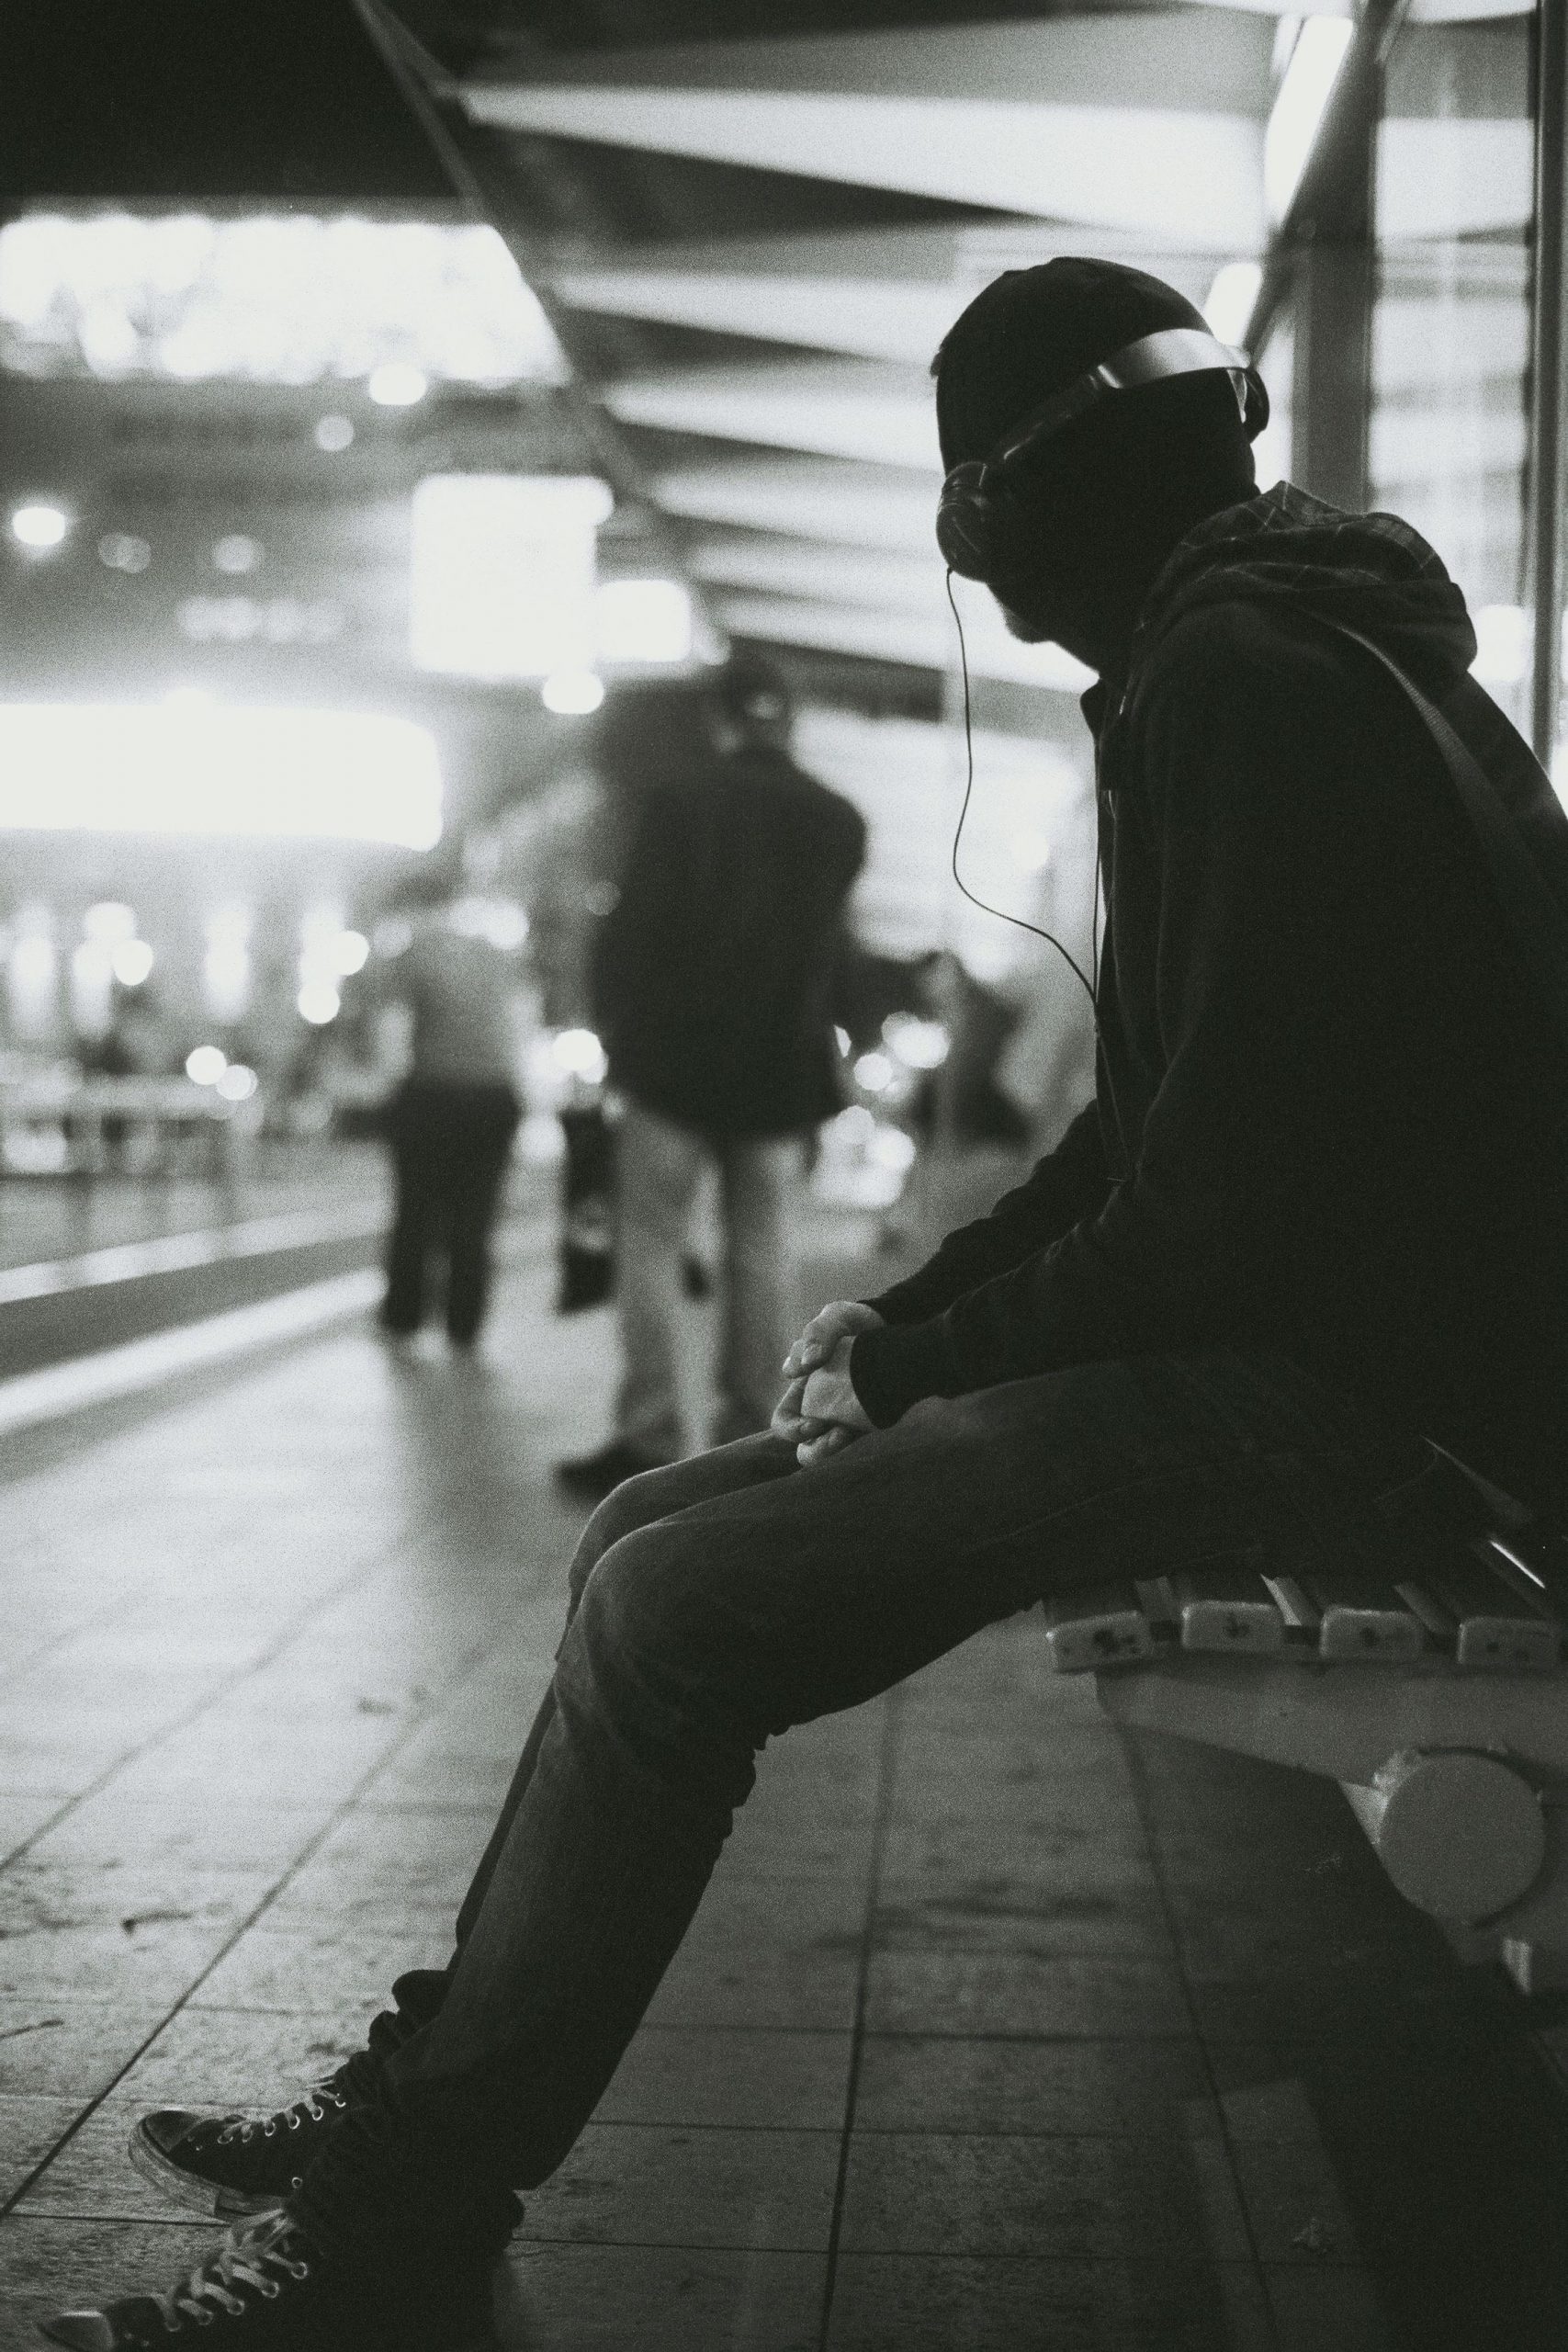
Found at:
(69, 2048)
(244, 2058)
(1009, 1991)
(136, 1935)
(193, 1826)
(758, 1953)
(1340, 2310)
(1032, 2303)
(305, 1967)
(1082, 2200)
(93, 2175)
(633, 2184)
(759, 2078)
(1103, 1905)
(785, 1831)
(380, 1867)
(1023, 1859)
(232, 1758)
(910, 2083)
(23, 1816)
(58, 1764)
(47, 2263)
(30, 2128)
(1295, 2208)
(663, 2299)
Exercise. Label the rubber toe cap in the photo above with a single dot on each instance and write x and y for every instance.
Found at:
(167, 2128)
(87, 2331)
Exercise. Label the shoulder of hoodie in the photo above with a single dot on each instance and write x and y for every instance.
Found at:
(1236, 665)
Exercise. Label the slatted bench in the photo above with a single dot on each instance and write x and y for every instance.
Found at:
(1440, 1704)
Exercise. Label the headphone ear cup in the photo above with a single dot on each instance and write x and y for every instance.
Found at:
(1256, 415)
(966, 522)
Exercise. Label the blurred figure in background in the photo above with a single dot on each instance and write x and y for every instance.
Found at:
(453, 995)
(1046, 1068)
(711, 987)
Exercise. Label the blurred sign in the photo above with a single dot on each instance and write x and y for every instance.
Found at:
(189, 766)
(290, 298)
(504, 573)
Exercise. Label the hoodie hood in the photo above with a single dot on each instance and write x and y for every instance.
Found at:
(1369, 573)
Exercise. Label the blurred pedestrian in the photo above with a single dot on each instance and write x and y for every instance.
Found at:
(711, 997)
(451, 1121)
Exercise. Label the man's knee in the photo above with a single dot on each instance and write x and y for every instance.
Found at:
(630, 1604)
(635, 1503)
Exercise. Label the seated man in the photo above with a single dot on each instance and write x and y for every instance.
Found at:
(1314, 1229)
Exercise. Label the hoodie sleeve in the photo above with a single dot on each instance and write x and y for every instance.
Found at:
(1253, 779)
(1067, 1184)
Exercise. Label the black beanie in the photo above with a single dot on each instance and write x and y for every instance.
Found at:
(1030, 332)
(1119, 485)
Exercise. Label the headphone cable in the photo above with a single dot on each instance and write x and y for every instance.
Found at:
(985, 906)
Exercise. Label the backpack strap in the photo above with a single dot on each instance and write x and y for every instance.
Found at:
(1537, 923)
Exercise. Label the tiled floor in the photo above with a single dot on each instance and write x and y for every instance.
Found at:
(992, 2034)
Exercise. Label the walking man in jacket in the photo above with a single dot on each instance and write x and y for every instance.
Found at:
(1315, 1218)
(711, 980)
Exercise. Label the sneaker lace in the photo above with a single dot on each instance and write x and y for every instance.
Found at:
(287, 2118)
(249, 2258)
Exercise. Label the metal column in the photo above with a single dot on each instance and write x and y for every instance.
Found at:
(1547, 374)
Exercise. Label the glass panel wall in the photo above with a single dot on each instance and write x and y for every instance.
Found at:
(1450, 342)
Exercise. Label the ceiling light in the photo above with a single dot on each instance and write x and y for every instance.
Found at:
(333, 433)
(39, 526)
(110, 919)
(502, 573)
(572, 694)
(643, 620)
(398, 384)
(280, 298)
(132, 961)
(319, 1002)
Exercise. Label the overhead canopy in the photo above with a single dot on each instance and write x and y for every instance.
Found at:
(761, 242)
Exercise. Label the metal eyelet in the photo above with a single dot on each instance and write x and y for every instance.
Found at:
(269, 2288)
(293, 2123)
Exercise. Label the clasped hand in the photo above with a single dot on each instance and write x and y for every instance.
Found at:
(820, 1412)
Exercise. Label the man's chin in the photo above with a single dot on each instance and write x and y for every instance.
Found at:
(1028, 631)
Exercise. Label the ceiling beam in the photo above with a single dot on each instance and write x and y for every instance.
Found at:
(1164, 171)
(836, 409)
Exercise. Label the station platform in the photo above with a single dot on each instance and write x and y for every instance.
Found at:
(997, 2032)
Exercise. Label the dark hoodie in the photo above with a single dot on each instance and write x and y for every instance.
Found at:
(1329, 1118)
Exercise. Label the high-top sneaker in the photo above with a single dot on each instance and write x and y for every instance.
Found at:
(239, 2163)
(268, 2288)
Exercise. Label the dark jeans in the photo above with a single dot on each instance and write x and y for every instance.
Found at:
(716, 1603)
(450, 1146)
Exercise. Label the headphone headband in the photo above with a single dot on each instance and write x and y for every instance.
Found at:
(971, 518)
(1173, 350)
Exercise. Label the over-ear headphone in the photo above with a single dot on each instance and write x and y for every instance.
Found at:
(976, 505)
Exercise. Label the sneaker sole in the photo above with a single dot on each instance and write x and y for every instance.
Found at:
(184, 2188)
